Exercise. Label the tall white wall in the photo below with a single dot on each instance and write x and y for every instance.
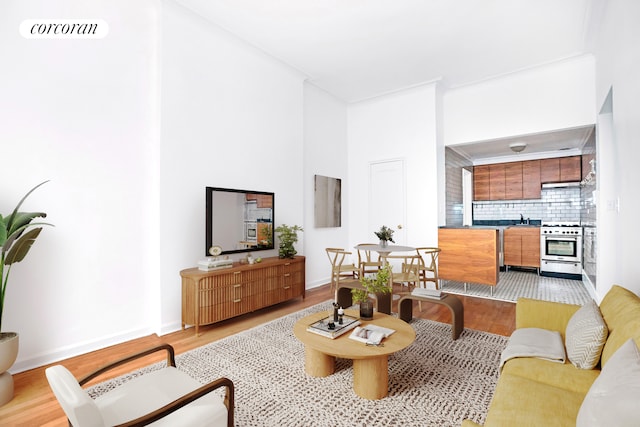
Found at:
(396, 126)
(325, 153)
(618, 60)
(556, 96)
(82, 113)
(231, 117)
(130, 129)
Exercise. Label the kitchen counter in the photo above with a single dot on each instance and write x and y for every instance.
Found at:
(469, 254)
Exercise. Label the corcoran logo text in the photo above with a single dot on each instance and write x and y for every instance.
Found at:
(64, 28)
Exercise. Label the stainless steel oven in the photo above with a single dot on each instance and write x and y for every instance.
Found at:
(250, 231)
(561, 249)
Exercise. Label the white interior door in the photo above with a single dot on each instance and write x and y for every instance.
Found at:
(387, 199)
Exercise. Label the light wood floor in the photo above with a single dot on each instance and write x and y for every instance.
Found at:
(35, 405)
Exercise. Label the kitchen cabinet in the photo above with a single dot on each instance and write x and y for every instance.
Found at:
(561, 169)
(513, 181)
(570, 169)
(481, 182)
(497, 181)
(522, 246)
(469, 255)
(531, 186)
(549, 170)
(523, 180)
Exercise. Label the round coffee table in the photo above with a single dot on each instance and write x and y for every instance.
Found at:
(370, 363)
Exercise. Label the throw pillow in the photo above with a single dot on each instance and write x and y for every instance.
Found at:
(585, 336)
(612, 399)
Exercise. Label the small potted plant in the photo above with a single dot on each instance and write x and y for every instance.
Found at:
(385, 234)
(287, 236)
(378, 284)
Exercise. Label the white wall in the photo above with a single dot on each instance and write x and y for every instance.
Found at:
(231, 117)
(617, 65)
(81, 113)
(325, 153)
(130, 129)
(556, 96)
(397, 126)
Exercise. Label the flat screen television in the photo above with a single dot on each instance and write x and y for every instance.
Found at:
(239, 220)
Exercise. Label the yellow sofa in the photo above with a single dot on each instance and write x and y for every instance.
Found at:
(536, 392)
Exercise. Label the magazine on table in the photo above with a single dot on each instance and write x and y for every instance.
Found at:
(370, 334)
(321, 327)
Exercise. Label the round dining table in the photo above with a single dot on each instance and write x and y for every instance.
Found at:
(386, 249)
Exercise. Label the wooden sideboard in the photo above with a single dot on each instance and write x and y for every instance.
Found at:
(212, 296)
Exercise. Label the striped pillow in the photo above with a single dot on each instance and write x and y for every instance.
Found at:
(585, 336)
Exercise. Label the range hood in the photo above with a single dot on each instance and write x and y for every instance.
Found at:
(561, 184)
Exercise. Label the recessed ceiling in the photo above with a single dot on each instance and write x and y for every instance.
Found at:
(358, 49)
(539, 145)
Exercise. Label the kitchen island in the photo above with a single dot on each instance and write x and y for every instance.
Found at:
(469, 255)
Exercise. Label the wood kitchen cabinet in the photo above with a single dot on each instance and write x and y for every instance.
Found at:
(570, 169)
(561, 169)
(481, 182)
(513, 180)
(497, 181)
(523, 180)
(531, 186)
(522, 247)
(549, 170)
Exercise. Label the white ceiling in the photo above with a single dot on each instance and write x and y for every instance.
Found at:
(358, 49)
(563, 142)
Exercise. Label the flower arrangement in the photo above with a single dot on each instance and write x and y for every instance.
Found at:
(385, 234)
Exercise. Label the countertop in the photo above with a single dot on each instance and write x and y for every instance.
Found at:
(502, 223)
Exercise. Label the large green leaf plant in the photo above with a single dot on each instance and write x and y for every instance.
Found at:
(17, 235)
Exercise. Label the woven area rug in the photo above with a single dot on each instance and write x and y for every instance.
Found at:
(515, 284)
(434, 382)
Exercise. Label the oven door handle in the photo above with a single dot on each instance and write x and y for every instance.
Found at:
(559, 238)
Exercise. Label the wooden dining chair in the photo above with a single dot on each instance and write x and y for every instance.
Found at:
(368, 263)
(408, 273)
(429, 267)
(340, 269)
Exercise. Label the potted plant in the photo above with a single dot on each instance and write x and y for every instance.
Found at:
(17, 235)
(385, 234)
(378, 284)
(287, 236)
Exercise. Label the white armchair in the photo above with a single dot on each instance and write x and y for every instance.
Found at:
(165, 397)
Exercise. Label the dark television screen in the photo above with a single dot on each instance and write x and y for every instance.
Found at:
(239, 220)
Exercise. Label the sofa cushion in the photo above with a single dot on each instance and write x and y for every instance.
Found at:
(618, 306)
(620, 309)
(524, 402)
(559, 375)
(613, 397)
(585, 336)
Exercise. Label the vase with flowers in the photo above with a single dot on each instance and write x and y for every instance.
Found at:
(377, 284)
(385, 234)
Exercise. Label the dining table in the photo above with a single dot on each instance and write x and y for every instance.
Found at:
(384, 249)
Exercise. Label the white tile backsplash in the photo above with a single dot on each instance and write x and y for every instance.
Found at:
(556, 204)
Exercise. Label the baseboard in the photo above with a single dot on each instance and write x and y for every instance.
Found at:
(588, 284)
(76, 350)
